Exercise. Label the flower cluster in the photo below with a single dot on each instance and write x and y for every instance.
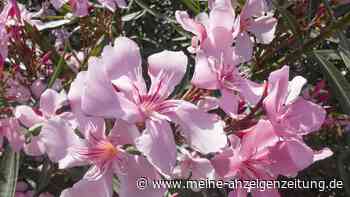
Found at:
(113, 120)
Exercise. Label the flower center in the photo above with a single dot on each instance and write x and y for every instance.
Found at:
(99, 153)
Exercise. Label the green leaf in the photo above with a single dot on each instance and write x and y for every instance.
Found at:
(9, 169)
(192, 5)
(340, 86)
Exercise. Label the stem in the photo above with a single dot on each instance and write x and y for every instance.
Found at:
(252, 113)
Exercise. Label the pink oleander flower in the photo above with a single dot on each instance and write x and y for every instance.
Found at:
(115, 88)
(222, 74)
(248, 158)
(50, 104)
(286, 111)
(13, 132)
(106, 157)
(213, 33)
(255, 19)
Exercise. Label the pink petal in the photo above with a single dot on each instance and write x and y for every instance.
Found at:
(57, 4)
(57, 136)
(172, 63)
(290, 157)
(37, 88)
(121, 3)
(51, 101)
(322, 154)
(35, 148)
(138, 167)
(202, 130)
(278, 90)
(261, 137)
(74, 96)
(267, 193)
(264, 29)
(253, 8)
(294, 88)
(202, 169)
(229, 102)
(208, 103)
(100, 98)
(121, 59)
(220, 39)
(13, 132)
(296, 120)
(124, 133)
(80, 7)
(190, 25)
(91, 188)
(244, 47)
(226, 163)
(204, 77)
(157, 143)
(27, 116)
(110, 4)
(251, 91)
(238, 193)
(222, 15)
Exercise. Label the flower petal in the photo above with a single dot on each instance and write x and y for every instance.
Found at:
(35, 148)
(74, 96)
(51, 101)
(301, 123)
(244, 47)
(190, 25)
(253, 8)
(290, 157)
(294, 88)
(264, 29)
(172, 63)
(204, 77)
(138, 167)
(91, 188)
(322, 154)
(121, 59)
(157, 143)
(277, 90)
(27, 116)
(222, 15)
(202, 130)
(57, 136)
(100, 98)
(124, 133)
(57, 4)
(229, 103)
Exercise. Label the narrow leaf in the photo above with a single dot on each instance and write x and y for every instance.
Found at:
(340, 86)
(9, 169)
